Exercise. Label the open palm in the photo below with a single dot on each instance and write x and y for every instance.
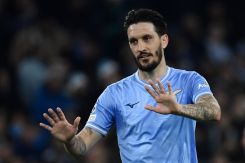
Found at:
(166, 101)
(59, 127)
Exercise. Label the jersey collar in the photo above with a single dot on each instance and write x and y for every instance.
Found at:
(164, 78)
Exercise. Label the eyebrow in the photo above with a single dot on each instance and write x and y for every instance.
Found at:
(132, 39)
(145, 35)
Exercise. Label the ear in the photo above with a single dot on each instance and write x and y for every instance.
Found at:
(164, 41)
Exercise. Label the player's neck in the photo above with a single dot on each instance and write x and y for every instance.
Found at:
(158, 73)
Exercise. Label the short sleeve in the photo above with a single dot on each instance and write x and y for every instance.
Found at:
(102, 115)
(199, 86)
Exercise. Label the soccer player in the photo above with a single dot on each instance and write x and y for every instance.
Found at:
(154, 110)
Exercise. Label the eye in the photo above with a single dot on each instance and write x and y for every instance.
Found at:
(147, 38)
(133, 41)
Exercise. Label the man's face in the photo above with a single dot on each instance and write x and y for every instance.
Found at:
(146, 45)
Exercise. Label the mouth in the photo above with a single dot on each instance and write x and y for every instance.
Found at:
(144, 56)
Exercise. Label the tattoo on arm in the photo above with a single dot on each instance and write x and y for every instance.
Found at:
(206, 108)
(82, 142)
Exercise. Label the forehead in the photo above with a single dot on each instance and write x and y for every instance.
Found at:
(139, 29)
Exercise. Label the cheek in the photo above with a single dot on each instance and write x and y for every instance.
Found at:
(155, 50)
(133, 50)
(155, 45)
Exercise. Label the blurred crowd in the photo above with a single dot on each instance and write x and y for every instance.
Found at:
(60, 53)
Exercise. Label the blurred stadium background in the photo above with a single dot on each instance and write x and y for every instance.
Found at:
(65, 52)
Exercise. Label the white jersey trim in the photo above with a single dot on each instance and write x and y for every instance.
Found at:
(195, 100)
(103, 132)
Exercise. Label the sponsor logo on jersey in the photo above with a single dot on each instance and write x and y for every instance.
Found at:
(202, 85)
(131, 105)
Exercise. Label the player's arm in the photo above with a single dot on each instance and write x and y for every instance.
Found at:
(62, 130)
(206, 108)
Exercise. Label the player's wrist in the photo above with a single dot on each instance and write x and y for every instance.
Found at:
(70, 141)
(178, 109)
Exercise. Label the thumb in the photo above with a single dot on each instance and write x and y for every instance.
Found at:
(149, 107)
(76, 122)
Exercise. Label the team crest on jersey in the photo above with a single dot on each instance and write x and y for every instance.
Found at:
(175, 92)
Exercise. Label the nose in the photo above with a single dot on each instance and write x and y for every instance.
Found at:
(141, 46)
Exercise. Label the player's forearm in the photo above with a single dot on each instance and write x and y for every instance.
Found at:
(206, 109)
(201, 112)
(76, 147)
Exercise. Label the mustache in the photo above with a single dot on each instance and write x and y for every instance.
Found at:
(143, 54)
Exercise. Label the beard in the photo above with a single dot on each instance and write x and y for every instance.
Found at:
(150, 66)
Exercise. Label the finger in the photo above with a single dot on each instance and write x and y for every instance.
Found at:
(149, 107)
(49, 119)
(53, 115)
(61, 114)
(161, 88)
(47, 127)
(76, 122)
(154, 86)
(170, 88)
(151, 92)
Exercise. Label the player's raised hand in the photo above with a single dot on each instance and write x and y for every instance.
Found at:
(166, 101)
(59, 127)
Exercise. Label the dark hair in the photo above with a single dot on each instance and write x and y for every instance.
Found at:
(146, 15)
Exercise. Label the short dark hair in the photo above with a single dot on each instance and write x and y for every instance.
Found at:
(146, 15)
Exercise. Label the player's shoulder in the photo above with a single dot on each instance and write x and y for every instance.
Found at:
(183, 72)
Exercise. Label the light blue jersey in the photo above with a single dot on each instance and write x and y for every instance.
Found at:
(145, 136)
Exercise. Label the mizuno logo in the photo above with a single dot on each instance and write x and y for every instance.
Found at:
(131, 105)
